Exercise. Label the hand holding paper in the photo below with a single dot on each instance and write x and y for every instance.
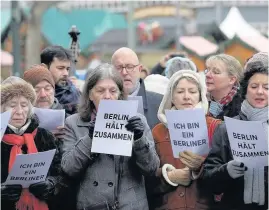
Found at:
(11, 192)
(135, 125)
(59, 132)
(236, 169)
(42, 190)
(191, 160)
(180, 176)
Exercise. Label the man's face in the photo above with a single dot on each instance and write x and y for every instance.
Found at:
(44, 94)
(60, 71)
(128, 66)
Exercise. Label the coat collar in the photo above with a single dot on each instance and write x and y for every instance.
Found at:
(142, 92)
(81, 123)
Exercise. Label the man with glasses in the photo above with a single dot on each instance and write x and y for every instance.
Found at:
(127, 63)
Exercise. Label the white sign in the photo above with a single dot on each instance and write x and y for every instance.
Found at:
(110, 135)
(140, 103)
(188, 131)
(5, 117)
(30, 168)
(50, 119)
(248, 142)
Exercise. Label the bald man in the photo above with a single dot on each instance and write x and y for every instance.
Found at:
(127, 63)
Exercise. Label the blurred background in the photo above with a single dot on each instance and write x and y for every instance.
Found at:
(152, 28)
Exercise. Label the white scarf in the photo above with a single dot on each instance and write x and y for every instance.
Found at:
(20, 131)
(254, 177)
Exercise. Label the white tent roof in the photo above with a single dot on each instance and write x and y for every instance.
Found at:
(235, 24)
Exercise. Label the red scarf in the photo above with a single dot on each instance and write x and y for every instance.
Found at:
(227, 99)
(27, 200)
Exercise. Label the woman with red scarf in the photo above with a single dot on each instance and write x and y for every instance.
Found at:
(23, 136)
(223, 74)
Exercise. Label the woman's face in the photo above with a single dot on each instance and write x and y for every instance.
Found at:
(217, 77)
(20, 108)
(185, 95)
(104, 89)
(257, 90)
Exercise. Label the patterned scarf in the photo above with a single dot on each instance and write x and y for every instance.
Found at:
(216, 107)
(27, 200)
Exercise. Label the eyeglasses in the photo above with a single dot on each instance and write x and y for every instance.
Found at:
(213, 71)
(128, 67)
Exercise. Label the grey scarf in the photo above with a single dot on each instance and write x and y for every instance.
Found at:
(254, 177)
(136, 89)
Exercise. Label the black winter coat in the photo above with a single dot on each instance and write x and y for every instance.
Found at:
(44, 141)
(215, 174)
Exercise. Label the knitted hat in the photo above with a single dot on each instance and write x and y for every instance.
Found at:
(251, 69)
(37, 73)
(167, 98)
(261, 57)
(11, 88)
(178, 63)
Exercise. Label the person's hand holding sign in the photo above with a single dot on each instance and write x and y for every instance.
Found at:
(136, 126)
(42, 190)
(191, 160)
(59, 132)
(11, 192)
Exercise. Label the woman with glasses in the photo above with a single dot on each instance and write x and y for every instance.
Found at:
(223, 74)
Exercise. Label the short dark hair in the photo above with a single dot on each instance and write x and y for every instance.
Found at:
(55, 51)
(253, 68)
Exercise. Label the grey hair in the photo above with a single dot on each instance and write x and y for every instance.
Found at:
(103, 71)
(234, 67)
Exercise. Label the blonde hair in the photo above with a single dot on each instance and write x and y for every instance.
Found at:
(234, 68)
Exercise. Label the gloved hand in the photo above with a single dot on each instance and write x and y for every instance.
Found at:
(11, 192)
(191, 160)
(180, 176)
(91, 129)
(43, 190)
(136, 126)
(236, 169)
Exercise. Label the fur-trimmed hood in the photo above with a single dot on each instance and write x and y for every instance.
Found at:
(167, 104)
(17, 88)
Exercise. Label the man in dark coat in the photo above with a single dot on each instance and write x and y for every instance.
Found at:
(58, 61)
(126, 62)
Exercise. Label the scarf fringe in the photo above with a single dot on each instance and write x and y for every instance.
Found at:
(29, 202)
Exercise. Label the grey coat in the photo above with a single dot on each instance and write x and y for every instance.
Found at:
(151, 103)
(98, 176)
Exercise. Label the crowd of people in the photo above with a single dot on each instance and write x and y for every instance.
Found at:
(151, 178)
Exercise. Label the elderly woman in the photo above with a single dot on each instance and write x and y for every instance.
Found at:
(223, 74)
(23, 136)
(224, 174)
(173, 188)
(107, 181)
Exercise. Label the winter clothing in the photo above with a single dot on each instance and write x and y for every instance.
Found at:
(135, 125)
(178, 63)
(216, 173)
(151, 102)
(258, 57)
(167, 98)
(156, 83)
(191, 160)
(35, 74)
(158, 69)
(36, 139)
(250, 70)
(68, 96)
(172, 188)
(109, 177)
(231, 109)
(17, 88)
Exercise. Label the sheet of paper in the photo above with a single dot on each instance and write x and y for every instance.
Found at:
(110, 135)
(188, 131)
(5, 117)
(30, 168)
(248, 142)
(50, 119)
(140, 103)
